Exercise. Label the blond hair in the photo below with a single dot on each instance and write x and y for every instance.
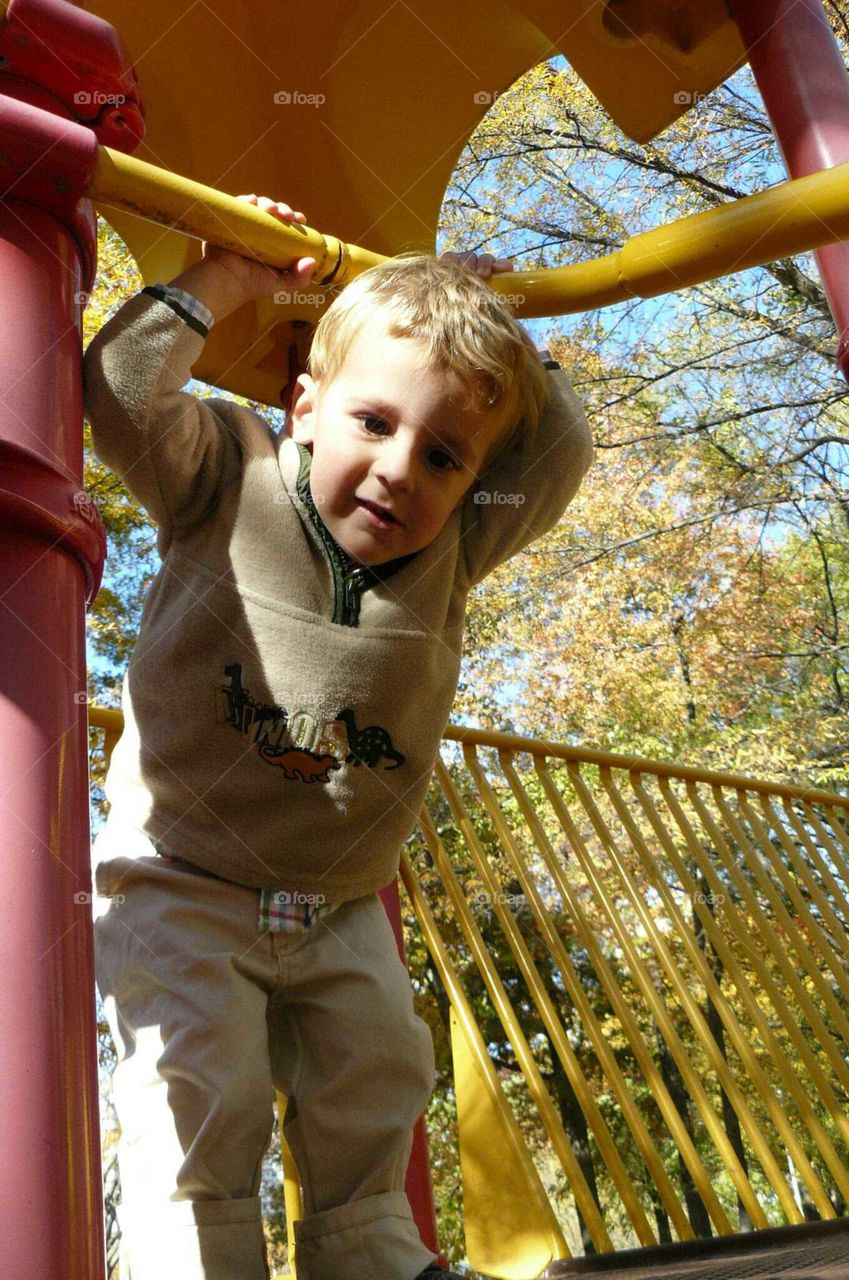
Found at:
(466, 327)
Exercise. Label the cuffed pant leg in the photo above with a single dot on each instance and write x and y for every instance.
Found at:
(184, 980)
(213, 1239)
(360, 1078)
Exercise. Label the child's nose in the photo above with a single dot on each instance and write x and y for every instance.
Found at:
(396, 465)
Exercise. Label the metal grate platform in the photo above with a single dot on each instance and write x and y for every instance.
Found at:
(814, 1251)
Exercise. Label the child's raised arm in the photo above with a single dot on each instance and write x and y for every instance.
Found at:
(174, 451)
(224, 281)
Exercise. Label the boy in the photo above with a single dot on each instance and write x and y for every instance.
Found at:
(296, 664)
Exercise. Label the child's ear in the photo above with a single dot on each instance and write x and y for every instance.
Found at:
(302, 412)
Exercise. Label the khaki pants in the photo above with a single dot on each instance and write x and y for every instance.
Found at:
(208, 1014)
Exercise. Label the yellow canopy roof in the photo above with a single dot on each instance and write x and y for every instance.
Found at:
(357, 113)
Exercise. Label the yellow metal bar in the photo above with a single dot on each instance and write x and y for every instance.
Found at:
(837, 843)
(792, 934)
(697, 1021)
(838, 894)
(133, 186)
(736, 1034)
(583, 1093)
(691, 1079)
(544, 747)
(759, 926)
(112, 724)
(607, 1060)
(540, 1232)
(506, 1014)
(627, 1021)
(832, 947)
(788, 1069)
(292, 1198)
(788, 219)
(837, 826)
(703, 1184)
(106, 718)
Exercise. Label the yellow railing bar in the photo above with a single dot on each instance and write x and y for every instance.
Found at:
(787, 219)
(607, 1148)
(607, 1060)
(838, 851)
(839, 828)
(292, 1199)
(793, 933)
(743, 987)
(653, 1000)
(838, 893)
(651, 1072)
(112, 721)
(627, 1021)
(641, 764)
(760, 927)
(695, 1016)
(465, 1015)
(816, 931)
(736, 1034)
(506, 1014)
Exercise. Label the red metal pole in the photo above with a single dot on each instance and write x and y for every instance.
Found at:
(799, 70)
(51, 1175)
(52, 547)
(418, 1184)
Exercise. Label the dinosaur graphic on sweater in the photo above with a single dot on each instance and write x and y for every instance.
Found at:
(302, 746)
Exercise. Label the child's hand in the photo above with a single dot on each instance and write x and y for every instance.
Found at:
(484, 265)
(257, 279)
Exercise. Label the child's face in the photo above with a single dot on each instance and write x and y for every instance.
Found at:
(395, 446)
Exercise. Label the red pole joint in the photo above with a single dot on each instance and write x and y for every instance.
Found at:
(48, 161)
(799, 70)
(81, 61)
(37, 499)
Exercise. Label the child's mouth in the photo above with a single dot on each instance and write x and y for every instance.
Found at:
(379, 515)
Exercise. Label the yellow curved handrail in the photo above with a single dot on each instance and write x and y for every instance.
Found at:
(787, 219)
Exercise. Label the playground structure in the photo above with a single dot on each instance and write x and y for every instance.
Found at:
(70, 110)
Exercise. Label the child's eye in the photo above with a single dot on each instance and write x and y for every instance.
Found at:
(374, 426)
(443, 461)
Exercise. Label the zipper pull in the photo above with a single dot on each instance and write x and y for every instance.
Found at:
(355, 581)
